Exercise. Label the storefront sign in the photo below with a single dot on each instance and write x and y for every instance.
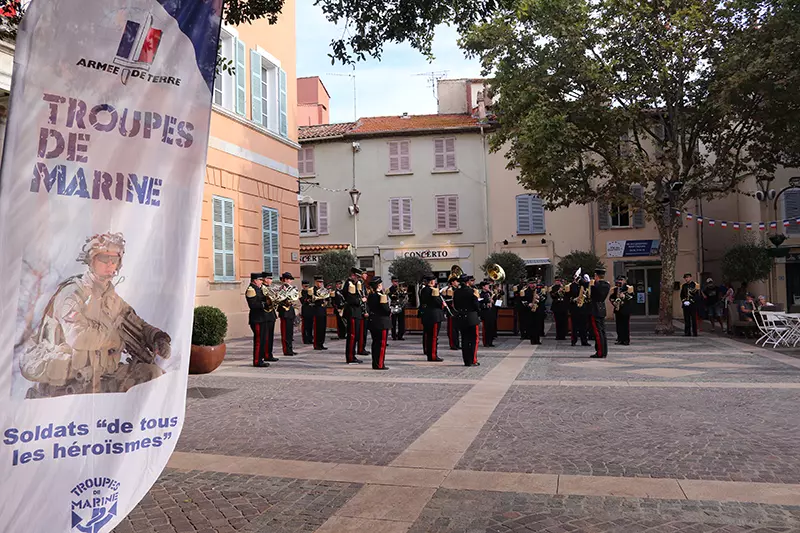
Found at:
(309, 259)
(633, 248)
(537, 261)
(431, 253)
(100, 205)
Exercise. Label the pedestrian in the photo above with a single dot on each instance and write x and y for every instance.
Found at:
(257, 319)
(379, 322)
(286, 313)
(713, 301)
(599, 293)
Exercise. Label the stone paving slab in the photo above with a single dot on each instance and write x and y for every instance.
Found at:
(729, 435)
(459, 511)
(333, 422)
(204, 502)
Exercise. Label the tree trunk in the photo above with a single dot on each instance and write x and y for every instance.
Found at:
(668, 228)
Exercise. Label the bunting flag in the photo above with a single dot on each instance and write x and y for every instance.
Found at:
(689, 216)
(699, 220)
(711, 222)
(736, 226)
(761, 225)
(724, 224)
(773, 225)
(748, 226)
(785, 223)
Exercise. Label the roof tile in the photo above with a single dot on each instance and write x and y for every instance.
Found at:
(390, 124)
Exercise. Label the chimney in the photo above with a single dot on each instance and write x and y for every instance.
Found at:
(405, 116)
(481, 105)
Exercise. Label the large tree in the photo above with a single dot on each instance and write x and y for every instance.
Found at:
(653, 104)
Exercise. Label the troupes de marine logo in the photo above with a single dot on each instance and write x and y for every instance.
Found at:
(93, 504)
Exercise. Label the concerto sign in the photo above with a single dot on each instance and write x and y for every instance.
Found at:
(432, 253)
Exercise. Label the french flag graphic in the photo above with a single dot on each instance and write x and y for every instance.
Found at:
(712, 222)
(139, 43)
(724, 224)
(748, 226)
(773, 225)
(736, 226)
(785, 223)
(761, 226)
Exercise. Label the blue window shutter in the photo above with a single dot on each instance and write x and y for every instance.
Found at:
(524, 222)
(269, 228)
(284, 119)
(791, 210)
(241, 74)
(224, 254)
(537, 215)
(255, 87)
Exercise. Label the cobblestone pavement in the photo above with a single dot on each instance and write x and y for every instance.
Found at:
(451, 511)
(339, 422)
(738, 435)
(342, 448)
(206, 502)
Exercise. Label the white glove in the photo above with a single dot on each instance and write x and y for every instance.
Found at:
(586, 278)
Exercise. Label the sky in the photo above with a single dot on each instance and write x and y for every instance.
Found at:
(389, 86)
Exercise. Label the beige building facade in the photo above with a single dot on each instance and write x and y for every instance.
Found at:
(422, 187)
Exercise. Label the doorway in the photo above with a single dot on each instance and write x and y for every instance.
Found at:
(646, 283)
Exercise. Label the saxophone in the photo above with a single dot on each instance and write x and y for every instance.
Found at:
(618, 299)
(581, 296)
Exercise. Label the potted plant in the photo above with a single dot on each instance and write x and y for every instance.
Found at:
(208, 339)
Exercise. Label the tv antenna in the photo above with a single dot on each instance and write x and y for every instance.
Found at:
(433, 78)
(353, 76)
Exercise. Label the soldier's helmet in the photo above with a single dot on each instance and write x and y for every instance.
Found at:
(102, 243)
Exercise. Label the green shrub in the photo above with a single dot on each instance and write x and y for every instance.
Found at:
(210, 326)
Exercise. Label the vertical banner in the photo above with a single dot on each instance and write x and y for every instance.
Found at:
(100, 203)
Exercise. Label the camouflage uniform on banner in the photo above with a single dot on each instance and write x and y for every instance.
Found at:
(90, 340)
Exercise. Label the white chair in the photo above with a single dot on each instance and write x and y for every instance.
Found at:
(777, 328)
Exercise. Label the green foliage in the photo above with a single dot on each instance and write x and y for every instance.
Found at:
(410, 270)
(586, 261)
(747, 262)
(335, 265)
(512, 264)
(210, 326)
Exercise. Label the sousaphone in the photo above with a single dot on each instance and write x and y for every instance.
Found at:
(455, 273)
(496, 273)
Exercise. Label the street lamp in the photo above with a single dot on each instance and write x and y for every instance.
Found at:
(355, 194)
(765, 194)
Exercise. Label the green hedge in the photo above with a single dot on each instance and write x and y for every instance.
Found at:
(210, 326)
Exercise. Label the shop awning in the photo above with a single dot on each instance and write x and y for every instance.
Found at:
(320, 248)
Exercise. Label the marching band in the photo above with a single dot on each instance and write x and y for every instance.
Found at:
(470, 313)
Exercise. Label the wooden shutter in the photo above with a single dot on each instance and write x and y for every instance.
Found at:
(450, 153)
(791, 210)
(269, 227)
(405, 158)
(603, 217)
(322, 218)
(224, 261)
(441, 213)
(255, 88)
(395, 223)
(524, 222)
(406, 211)
(537, 214)
(452, 212)
(638, 214)
(241, 74)
(284, 117)
(394, 156)
(305, 161)
(438, 154)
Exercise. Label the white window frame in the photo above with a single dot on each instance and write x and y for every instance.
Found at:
(224, 79)
(445, 167)
(222, 248)
(403, 230)
(446, 228)
(611, 207)
(306, 210)
(303, 159)
(270, 103)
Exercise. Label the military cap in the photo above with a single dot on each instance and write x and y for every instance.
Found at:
(687, 275)
(256, 275)
(394, 278)
(319, 278)
(266, 275)
(356, 270)
(374, 282)
(600, 271)
(621, 278)
(287, 275)
(305, 282)
(428, 277)
(483, 284)
(463, 278)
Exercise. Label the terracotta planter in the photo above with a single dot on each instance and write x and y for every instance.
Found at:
(205, 359)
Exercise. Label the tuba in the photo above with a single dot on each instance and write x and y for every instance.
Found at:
(455, 273)
(496, 273)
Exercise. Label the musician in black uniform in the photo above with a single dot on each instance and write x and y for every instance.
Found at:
(307, 313)
(271, 317)
(534, 297)
(579, 314)
(599, 293)
(513, 298)
(362, 289)
(379, 322)
(560, 307)
(487, 314)
(432, 307)
(465, 303)
(256, 301)
(452, 324)
(622, 309)
(354, 314)
(689, 293)
(338, 310)
(524, 299)
(397, 296)
(320, 306)
(287, 314)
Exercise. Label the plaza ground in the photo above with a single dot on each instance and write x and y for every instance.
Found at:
(668, 434)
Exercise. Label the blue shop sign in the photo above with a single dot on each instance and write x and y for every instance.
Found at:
(633, 248)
